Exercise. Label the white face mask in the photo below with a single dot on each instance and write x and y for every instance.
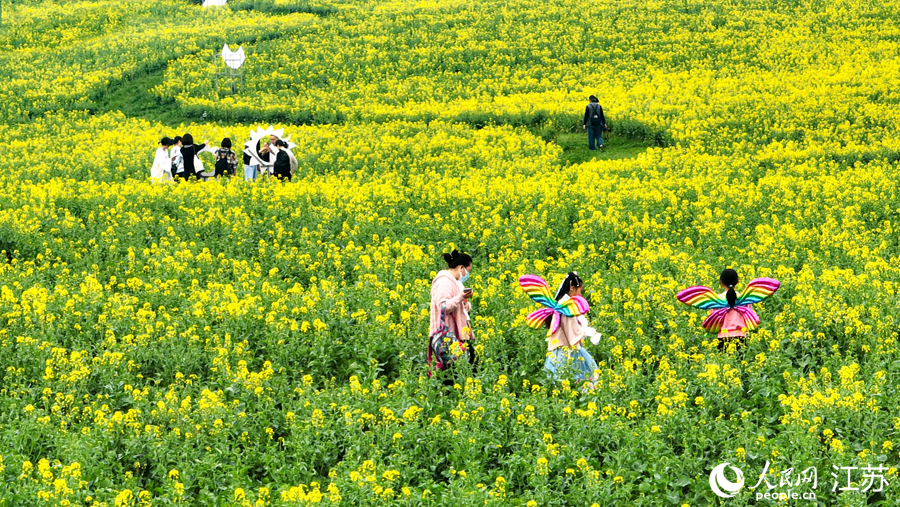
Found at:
(464, 277)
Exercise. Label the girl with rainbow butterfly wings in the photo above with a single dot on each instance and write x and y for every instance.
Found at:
(563, 316)
(731, 315)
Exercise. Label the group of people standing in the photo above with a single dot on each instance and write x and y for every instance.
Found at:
(451, 335)
(179, 159)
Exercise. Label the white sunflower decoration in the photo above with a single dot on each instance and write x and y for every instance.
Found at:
(262, 136)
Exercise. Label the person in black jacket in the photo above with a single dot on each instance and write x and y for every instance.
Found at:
(226, 160)
(282, 167)
(189, 151)
(594, 123)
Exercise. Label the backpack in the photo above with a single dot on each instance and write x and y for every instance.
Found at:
(223, 162)
(596, 114)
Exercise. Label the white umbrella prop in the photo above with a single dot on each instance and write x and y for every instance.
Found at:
(214, 3)
(256, 136)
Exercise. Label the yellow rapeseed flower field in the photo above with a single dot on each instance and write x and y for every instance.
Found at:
(258, 343)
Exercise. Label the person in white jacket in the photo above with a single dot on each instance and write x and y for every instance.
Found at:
(161, 170)
(294, 163)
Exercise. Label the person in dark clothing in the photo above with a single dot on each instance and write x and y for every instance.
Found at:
(226, 160)
(188, 152)
(594, 123)
(282, 167)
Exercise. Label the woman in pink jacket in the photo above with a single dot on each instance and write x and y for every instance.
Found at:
(448, 289)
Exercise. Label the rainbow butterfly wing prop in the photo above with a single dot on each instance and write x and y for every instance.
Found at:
(751, 319)
(757, 290)
(716, 319)
(538, 290)
(705, 298)
(574, 306)
(701, 297)
(536, 318)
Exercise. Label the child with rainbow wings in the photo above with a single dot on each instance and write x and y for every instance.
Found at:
(563, 316)
(730, 315)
